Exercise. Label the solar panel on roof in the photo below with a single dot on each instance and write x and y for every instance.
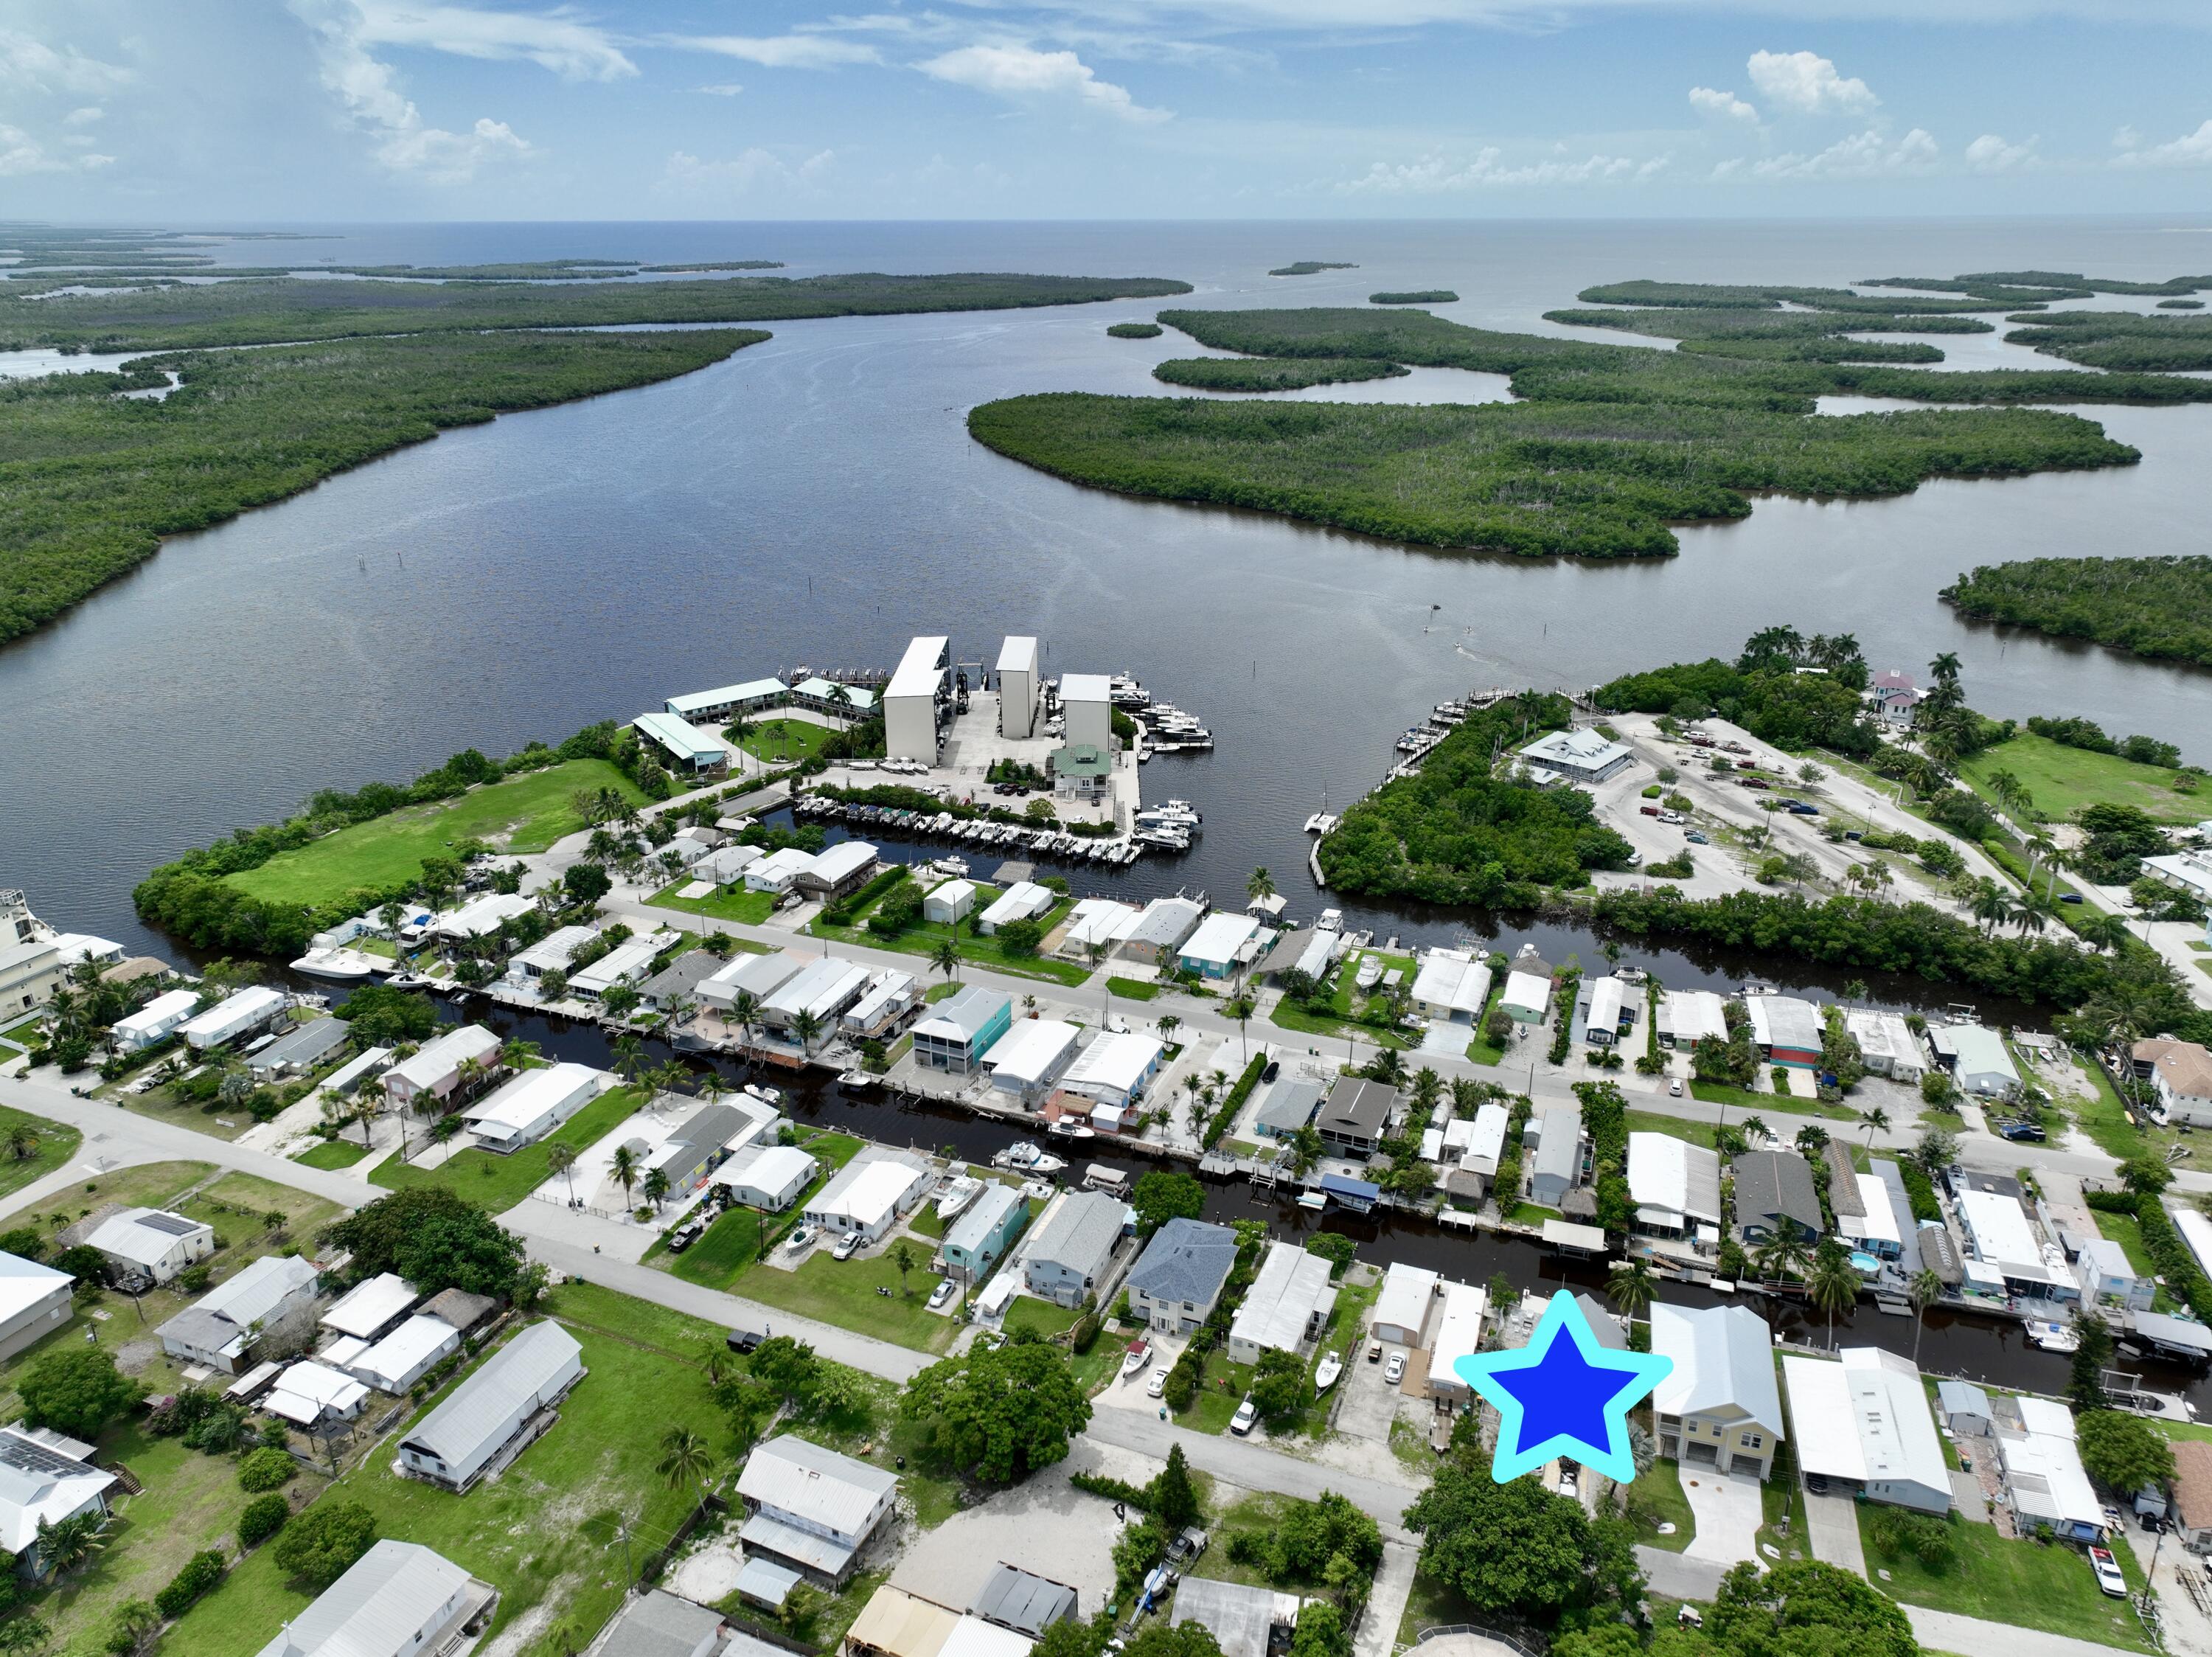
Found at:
(169, 1223)
(34, 1458)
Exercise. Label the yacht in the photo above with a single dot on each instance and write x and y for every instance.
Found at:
(1024, 1154)
(1332, 920)
(2053, 1337)
(344, 966)
(1068, 1128)
(1370, 972)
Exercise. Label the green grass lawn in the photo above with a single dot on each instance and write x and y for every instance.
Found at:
(1221, 1389)
(737, 904)
(987, 953)
(844, 1292)
(1531, 1214)
(1658, 1495)
(2026, 1584)
(57, 1145)
(2062, 780)
(784, 741)
(1718, 1094)
(500, 1182)
(1029, 1312)
(2127, 1230)
(1341, 1021)
(332, 1154)
(2102, 1117)
(544, 1532)
(1430, 1604)
(531, 811)
(1482, 1050)
(1698, 1133)
(1132, 989)
(728, 1246)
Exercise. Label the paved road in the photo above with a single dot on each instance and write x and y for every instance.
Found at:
(1677, 1576)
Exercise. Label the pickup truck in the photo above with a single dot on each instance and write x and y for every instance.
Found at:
(1649, 810)
(1799, 808)
(1753, 783)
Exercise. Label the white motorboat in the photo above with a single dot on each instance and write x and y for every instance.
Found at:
(766, 1095)
(956, 1195)
(857, 1078)
(1026, 1156)
(2053, 1337)
(1370, 973)
(1332, 920)
(1068, 1128)
(1134, 1359)
(1327, 1371)
(345, 965)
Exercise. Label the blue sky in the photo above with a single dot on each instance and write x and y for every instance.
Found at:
(157, 112)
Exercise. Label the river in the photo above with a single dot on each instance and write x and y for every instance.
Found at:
(816, 499)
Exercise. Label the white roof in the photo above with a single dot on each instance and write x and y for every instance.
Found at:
(376, 1609)
(1018, 654)
(1486, 1139)
(1603, 998)
(1406, 1291)
(918, 673)
(305, 1391)
(488, 1402)
(627, 962)
(142, 1236)
(890, 985)
(369, 1304)
(678, 736)
(24, 1283)
(765, 1168)
(867, 1190)
(234, 1011)
(955, 893)
(2196, 1231)
(2000, 1230)
(2043, 1466)
(518, 1105)
(1031, 1050)
(753, 690)
(258, 1290)
(1114, 1063)
(1024, 900)
(481, 915)
(1221, 937)
(1878, 1224)
(780, 867)
(1672, 1177)
(1459, 1330)
(822, 988)
(1883, 1035)
(1291, 1287)
(726, 863)
(1865, 1417)
(758, 975)
(1086, 687)
(439, 1059)
(961, 1015)
(1100, 920)
(841, 861)
(1453, 981)
(1583, 750)
(1784, 1021)
(39, 1482)
(420, 1340)
(552, 951)
(1530, 992)
(158, 1015)
(1977, 1050)
(1723, 1361)
(788, 1475)
(1689, 1014)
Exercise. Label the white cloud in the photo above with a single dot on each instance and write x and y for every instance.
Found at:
(1864, 155)
(742, 174)
(1807, 81)
(726, 89)
(85, 117)
(401, 140)
(1023, 73)
(1726, 104)
(30, 64)
(557, 41)
(20, 153)
(1991, 154)
(1436, 174)
(2190, 149)
(779, 51)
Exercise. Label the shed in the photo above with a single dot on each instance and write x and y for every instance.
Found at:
(952, 901)
(1023, 1601)
(1402, 1311)
(1965, 1407)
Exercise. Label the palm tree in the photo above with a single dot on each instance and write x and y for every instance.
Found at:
(1833, 1282)
(2104, 931)
(1873, 1121)
(1991, 906)
(1755, 1130)
(656, 1188)
(64, 1547)
(744, 1013)
(624, 1168)
(1631, 1286)
(1924, 1291)
(630, 1055)
(901, 1261)
(945, 957)
(23, 1141)
(560, 1159)
(807, 1027)
(367, 1099)
(1262, 885)
(1810, 1139)
(517, 1053)
(683, 1460)
(1784, 1257)
(1169, 1023)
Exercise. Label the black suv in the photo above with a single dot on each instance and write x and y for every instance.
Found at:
(742, 1340)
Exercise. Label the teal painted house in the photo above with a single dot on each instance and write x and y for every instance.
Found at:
(982, 1234)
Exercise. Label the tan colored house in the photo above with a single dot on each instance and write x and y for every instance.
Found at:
(2180, 1072)
(2192, 1511)
(1719, 1407)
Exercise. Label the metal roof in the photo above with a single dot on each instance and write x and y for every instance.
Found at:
(513, 1378)
(1166, 922)
(1018, 654)
(983, 1215)
(1023, 1601)
(790, 1476)
(364, 1310)
(1291, 1286)
(1358, 1108)
(1078, 1230)
(1723, 1359)
(918, 672)
(960, 1017)
(377, 1609)
(753, 690)
(1784, 1021)
(1186, 1260)
(142, 1236)
(1115, 1061)
(767, 1583)
(1028, 1052)
(304, 1046)
(1674, 1177)
(678, 736)
(24, 1283)
(1289, 1104)
(441, 1058)
(1865, 1417)
(659, 1624)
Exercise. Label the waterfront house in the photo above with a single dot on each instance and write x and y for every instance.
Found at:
(678, 983)
(2181, 1075)
(758, 976)
(399, 1600)
(870, 1193)
(949, 903)
(682, 746)
(1401, 1310)
(299, 1050)
(1177, 1279)
(1600, 1004)
(1099, 924)
(980, 1235)
(2008, 1256)
(509, 1400)
(917, 699)
(1081, 772)
(770, 1178)
(720, 706)
(479, 917)
(1286, 1104)
(628, 964)
(1774, 1193)
(1585, 756)
(1863, 1422)
(1686, 1016)
(45, 1478)
(2045, 1482)
(1024, 900)
(233, 1018)
(890, 998)
(824, 695)
(524, 1109)
(1356, 1117)
(1527, 998)
(1718, 1407)
(1887, 1045)
(1222, 944)
(705, 1137)
(837, 871)
(157, 1022)
(1028, 1060)
(778, 872)
(812, 1508)
(1287, 1305)
(962, 1028)
(1894, 695)
(2107, 1279)
(1162, 930)
(34, 1302)
(825, 988)
(1871, 1225)
(552, 952)
(1456, 1333)
(1556, 1169)
(1451, 987)
(1114, 1070)
(149, 1245)
(1976, 1058)
(433, 1073)
(1071, 1248)
(268, 1299)
(1786, 1031)
(31, 969)
(1675, 1186)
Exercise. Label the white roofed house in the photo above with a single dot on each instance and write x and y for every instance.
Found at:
(2045, 1482)
(1100, 923)
(434, 1073)
(770, 1178)
(550, 954)
(1675, 1186)
(1686, 1016)
(1455, 1334)
(157, 1021)
(2012, 1258)
(891, 996)
(756, 976)
(812, 1508)
(1222, 944)
(1587, 756)
(948, 902)
(779, 871)
(627, 966)
(315, 1397)
(1719, 1407)
(1030, 1058)
(1786, 1030)
(507, 1401)
(2106, 1278)
(369, 1308)
(150, 1246)
(1114, 1068)
(870, 1193)
(1864, 1422)
(1977, 1059)
(1451, 986)
(1071, 1245)
(249, 1011)
(725, 865)
(962, 1029)
(1024, 900)
(1287, 1305)
(525, 1110)
(981, 1233)
(264, 1301)
(720, 705)
(34, 1302)
(837, 871)
(399, 1600)
(44, 1478)
(404, 1355)
(1599, 1004)
(1874, 1230)
(480, 916)
(1527, 998)
(821, 990)
(1887, 1045)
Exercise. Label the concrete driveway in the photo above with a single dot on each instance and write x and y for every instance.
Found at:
(1832, 1530)
(1728, 1512)
(1368, 1407)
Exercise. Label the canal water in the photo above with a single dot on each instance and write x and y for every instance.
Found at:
(816, 499)
(1954, 1342)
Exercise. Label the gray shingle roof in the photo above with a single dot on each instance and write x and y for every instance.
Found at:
(659, 1624)
(1023, 1601)
(1080, 1230)
(1186, 1260)
(1776, 1182)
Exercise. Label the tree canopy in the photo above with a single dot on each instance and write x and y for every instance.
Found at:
(999, 1414)
(77, 1390)
(322, 1543)
(433, 1238)
(1160, 1196)
(2124, 1452)
(1517, 1549)
(381, 1016)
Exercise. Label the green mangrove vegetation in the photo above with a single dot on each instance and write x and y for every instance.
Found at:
(1728, 296)
(2180, 304)
(1310, 267)
(1463, 830)
(1271, 373)
(2010, 287)
(1135, 330)
(2122, 340)
(267, 310)
(92, 479)
(1416, 296)
(2160, 608)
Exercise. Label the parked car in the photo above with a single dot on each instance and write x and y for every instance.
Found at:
(1675, 1088)
(942, 1296)
(1241, 1422)
(1753, 783)
(847, 1246)
(1373, 1351)
(1817, 1483)
(2069, 897)
(1696, 838)
(1157, 1386)
(1395, 1371)
(2022, 1133)
(1187, 1546)
(1649, 810)
(684, 1235)
(1799, 808)
(742, 1340)
(800, 1238)
(2107, 1570)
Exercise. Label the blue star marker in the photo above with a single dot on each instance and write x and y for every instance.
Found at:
(1564, 1394)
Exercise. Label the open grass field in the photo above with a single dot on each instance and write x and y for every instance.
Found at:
(844, 1292)
(2062, 780)
(1029, 1312)
(1698, 1133)
(1343, 993)
(784, 741)
(500, 1182)
(544, 1532)
(527, 812)
(744, 907)
(988, 952)
(2024, 1584)
(1134, 989)
(726, 1249)
(1658, 1497)
(57, 1145)
(332, 1154)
